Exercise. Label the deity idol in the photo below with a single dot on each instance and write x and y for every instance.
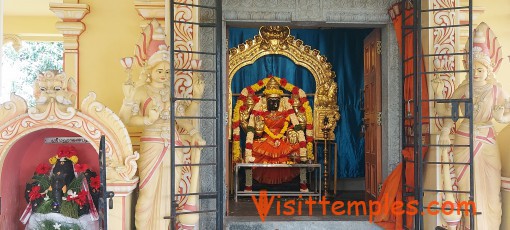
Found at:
(274, 142)
(489, 102)
(148, 106)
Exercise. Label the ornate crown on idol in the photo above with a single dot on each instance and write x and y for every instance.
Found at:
(486, 47)
(273, 89)
(152, 47)
(480, 49)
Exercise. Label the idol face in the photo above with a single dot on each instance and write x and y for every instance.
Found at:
(161, 73)
(480, 72)
(273, 103)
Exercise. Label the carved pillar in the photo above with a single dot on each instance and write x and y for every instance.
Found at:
(121, 216)
(439, 41)
(186, 36)
(464, 19)
(1, 40)
(71, 27)
(185, 39)
(502, 139)
(149, 10)
(442, 41)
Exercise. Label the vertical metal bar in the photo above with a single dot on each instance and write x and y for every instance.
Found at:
(102, 176)
(470, 115)
(104, 195)
(219, 121)
(173, 208)
(236, 181)
(404, 142)
(418, 114)
(416, 121)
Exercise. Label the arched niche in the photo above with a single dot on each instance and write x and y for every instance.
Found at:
(276, 40)
(22, 127)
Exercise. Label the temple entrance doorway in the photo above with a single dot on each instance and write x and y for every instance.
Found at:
(355, 151)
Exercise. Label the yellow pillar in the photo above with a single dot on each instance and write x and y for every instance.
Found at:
(503, 138)
(71, 13)
(122, 214)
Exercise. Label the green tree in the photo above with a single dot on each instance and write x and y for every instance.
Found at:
(32, 59)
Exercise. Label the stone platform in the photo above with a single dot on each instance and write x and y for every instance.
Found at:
(243, 215)
(299, 222)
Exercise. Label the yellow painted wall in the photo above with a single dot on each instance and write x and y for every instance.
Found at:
(497, 16)
(32, 28)
(112, 29)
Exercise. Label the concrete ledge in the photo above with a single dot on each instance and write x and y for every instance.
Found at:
(299, 222)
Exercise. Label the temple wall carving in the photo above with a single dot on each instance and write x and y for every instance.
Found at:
(308, 12)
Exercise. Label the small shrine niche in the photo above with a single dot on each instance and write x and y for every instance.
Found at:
(27, 136)
(23, 158)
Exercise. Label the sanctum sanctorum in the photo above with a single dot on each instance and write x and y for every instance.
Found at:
(254, 114)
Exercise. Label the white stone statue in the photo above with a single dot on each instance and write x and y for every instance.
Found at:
(148, 105)
(490, 103)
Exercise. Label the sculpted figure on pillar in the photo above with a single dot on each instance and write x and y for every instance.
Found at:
(148, 105)
(490, 102)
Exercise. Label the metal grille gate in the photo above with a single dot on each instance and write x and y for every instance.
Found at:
(104, 195)
(206, 24)
(415, 22)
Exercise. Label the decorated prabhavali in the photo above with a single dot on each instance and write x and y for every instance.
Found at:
(490, 102)
(276, 40)
(62, 194)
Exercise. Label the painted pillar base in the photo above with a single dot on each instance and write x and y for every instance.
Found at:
(502, 139)
(505, 195)
(121, 217)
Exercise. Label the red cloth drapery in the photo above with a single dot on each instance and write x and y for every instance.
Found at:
(392, 186)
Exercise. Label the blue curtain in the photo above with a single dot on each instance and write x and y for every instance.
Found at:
(344, 50)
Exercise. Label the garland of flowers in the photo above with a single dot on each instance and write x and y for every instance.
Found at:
(273, 91)
(305, 107)
(236, 145)
(280, 135)
(309, 130)
(305, 134)
(79, 197)
(240, 105)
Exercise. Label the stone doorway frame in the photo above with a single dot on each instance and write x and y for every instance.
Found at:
(329, 14)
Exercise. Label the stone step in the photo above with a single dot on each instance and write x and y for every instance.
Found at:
(299, 222)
